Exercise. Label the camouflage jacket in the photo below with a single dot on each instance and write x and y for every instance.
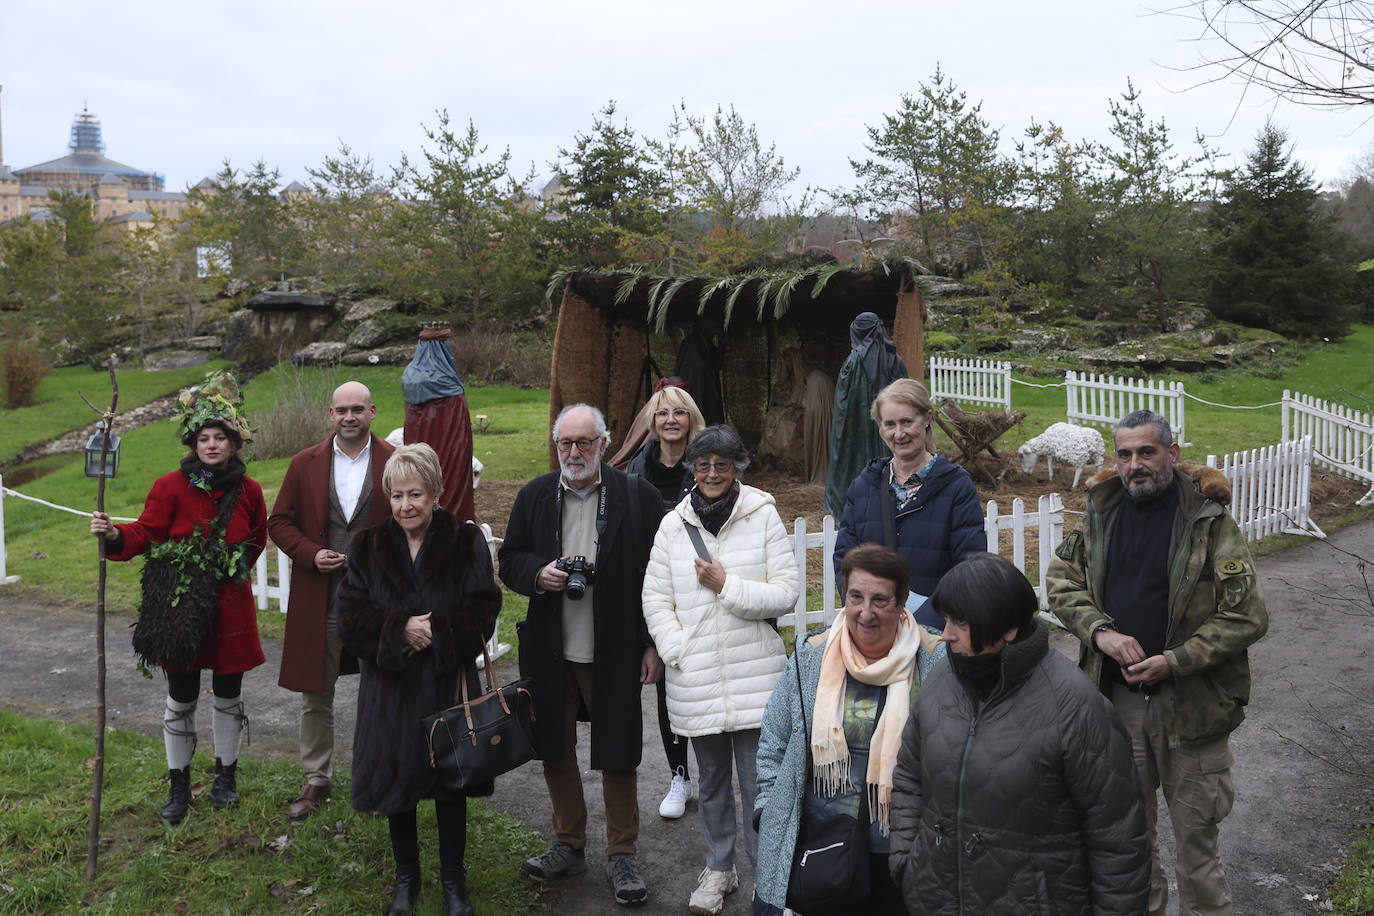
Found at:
(1215, 607)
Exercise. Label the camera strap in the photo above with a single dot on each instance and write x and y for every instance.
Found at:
(558, 512)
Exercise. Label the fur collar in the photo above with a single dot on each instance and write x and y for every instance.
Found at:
(1210, 481)
(385, 545)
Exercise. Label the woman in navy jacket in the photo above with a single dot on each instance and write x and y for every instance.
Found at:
(933, 514)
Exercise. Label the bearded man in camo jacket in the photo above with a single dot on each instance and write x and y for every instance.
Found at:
(1160, 589)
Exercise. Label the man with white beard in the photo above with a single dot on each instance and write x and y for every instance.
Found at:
(577, 543)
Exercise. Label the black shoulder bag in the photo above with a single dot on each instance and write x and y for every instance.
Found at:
(830, 861)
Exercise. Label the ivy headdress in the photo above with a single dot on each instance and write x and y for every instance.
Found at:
(216, 401)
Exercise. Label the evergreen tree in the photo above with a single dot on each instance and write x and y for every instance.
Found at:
(1056, 217)
(1276, 261)
(1147, 193)
(346, 232)
(935, 167)
(616, 196)
(467, 227)
(241, 215)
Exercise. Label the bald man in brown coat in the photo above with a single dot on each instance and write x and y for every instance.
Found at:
(331, 491)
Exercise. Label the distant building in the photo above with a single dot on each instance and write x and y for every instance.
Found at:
(123, 196)
(120, 194)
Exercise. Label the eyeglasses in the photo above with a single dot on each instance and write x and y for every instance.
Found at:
(582, 445)
(720, 467)
(676, 413)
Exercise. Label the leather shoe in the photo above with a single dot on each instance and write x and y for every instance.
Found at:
(310, 798)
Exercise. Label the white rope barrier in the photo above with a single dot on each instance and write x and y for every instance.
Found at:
(1232, 406)
(44, 502)
(1017, 381)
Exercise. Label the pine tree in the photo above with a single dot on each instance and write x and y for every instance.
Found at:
(1276, 261)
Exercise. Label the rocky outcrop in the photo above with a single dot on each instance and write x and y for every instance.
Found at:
(320, 353)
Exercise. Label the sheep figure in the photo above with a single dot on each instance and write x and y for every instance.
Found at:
(1076, 445)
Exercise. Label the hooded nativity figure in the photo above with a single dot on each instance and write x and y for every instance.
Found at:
(437, 414)
(854, 438)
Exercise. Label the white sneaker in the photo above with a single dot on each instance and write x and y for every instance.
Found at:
(674, 804)
(712, 887)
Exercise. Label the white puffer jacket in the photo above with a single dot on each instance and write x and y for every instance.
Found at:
(720, 653)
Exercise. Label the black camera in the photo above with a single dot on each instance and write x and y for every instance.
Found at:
(580, 572)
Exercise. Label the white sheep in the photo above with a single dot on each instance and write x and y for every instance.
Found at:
(1076, 445)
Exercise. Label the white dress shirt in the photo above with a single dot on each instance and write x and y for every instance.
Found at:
(349, 475)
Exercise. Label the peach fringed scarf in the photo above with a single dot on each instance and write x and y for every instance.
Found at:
(829, 752)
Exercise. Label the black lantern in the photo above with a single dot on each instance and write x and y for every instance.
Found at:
(93, 453)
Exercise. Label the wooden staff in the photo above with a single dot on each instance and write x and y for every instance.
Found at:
(93, 843)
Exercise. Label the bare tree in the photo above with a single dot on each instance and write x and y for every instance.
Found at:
(1318, 53)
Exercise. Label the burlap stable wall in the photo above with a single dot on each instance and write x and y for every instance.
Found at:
(577, 372)
(909, 331)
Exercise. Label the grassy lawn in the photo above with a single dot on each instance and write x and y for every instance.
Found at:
(1342, 371)
(248, 859)
(54, 552)
(1352, 893)
(60, 410)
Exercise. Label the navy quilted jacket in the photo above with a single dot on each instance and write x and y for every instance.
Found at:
(939, 528)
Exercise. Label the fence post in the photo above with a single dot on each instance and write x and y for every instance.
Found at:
(4, 579)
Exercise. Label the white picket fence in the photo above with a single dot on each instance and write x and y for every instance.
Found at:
(266, 591)
(1271, 489)
(4, 579)
(803, 542)
(1047, 521)
(978, 381)
(1342, 439)
(1102, 400)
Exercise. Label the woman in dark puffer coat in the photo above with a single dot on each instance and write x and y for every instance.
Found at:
(1014, 790)
(418, 601)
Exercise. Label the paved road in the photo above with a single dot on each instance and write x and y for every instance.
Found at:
(1295, 812)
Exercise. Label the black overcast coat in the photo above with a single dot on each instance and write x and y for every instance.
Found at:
(621, 637)
(451, 579)
(1027, 802)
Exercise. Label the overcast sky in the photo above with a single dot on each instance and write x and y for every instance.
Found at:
(181, 86)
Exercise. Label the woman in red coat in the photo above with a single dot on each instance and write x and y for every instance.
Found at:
(177, 505)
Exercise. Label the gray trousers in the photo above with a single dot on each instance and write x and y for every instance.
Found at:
(317, 712)
(716, 796)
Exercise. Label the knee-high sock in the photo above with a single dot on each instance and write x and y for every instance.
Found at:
(179, 732)
(230, 724)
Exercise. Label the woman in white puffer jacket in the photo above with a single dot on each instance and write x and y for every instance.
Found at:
(712, 624)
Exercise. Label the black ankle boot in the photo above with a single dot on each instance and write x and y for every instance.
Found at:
(407, 890)
(178, 795)
(225, 792)
(456, 899)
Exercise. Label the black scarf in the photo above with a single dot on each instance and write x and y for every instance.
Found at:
(980, 673)
(224, 478)
(714, 515)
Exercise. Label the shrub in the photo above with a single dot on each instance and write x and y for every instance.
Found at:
(487, 355)
(297, 417)
(23, 371)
